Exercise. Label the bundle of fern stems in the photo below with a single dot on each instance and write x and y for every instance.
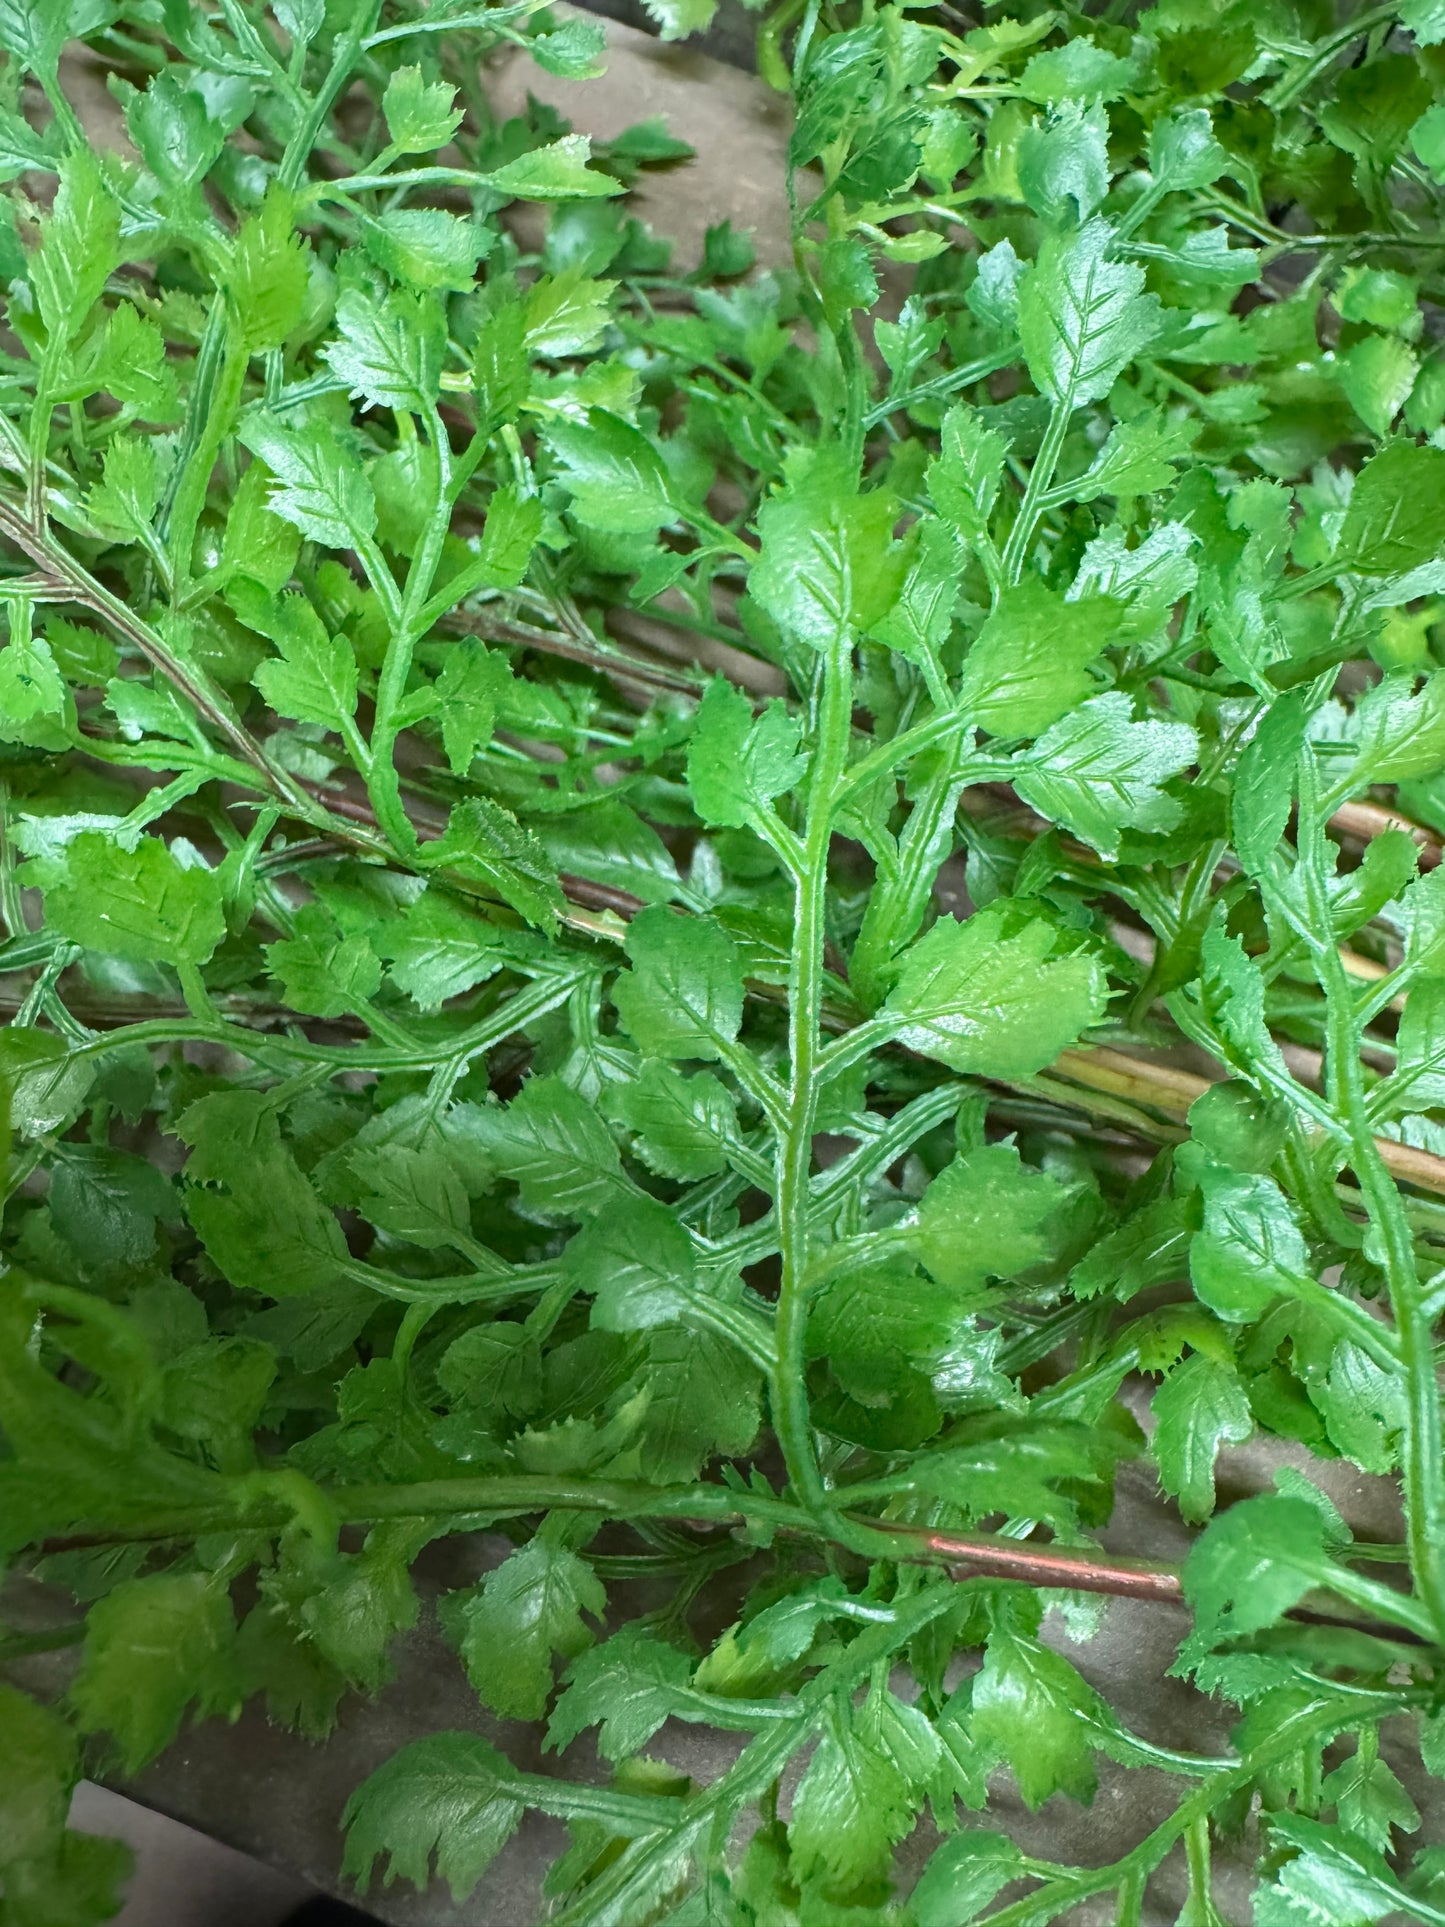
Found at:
(694, 946)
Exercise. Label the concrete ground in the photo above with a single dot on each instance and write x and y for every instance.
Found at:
(184, 1878)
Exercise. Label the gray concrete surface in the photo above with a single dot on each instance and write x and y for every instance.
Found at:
(184, 1878)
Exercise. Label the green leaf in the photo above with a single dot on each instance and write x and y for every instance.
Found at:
(626, 1687)
(556, 172)
(258, 546)
(993, 298)
(1083, 316)
(964, 478)
(1332, 1877)
(1392, 524)
(123, 502)
(1399, 733)
(413, 1194)
(39, 1765)
(962, 1878)
(486, 845)
(557, 1149)
(920, 622)
(1369, 1799)
(36, 30)
(1250, 1248)
(443, 1800)
(1099, 771)
(829, 566)
(1419, 1079)
(269, 273)
(326, 495)
(1377, 374)
(44, 1083)
(704, 1403)
(438, 950)
(617, 480)
(1253, 1563)
(469, 687)
(906, 344)
(30, 685)
(566, 313)
(419, 113)
(266, 1229)
(1200, 1406)
(682, 1126)
(79, 246)
(82, 1882)
(985, 1216)
(1033, 1471)
(637, 1265)
(155, 1647)
(1033, 1710)
(105, 1204)
(525, 1613)
(1063, 161)
(509, 535)
(128, 360)
(138, 903)
(173, 132)
(315, 680)
(426, 248)
(501, 371)
(1424, 19)
(322, 971)
(737, 762)
(1137, 459)
(1232, 995)
(390, 353)
(574, 49)
(679, 18)
(852, 1807)
(1264, 783)
(683, 996)
(1029, 663)
(992, 996)
(1183, 152)
(1079, 70)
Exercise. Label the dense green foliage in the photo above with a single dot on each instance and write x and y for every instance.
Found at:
(474, 1066)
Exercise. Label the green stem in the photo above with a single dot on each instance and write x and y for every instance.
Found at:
(1040, 476)
(222, 406)
(1296, 1730)
(1423, 1456)
(344, 57)
(791, 1419)
(1289, 89)
(897, 903)
(640, 1869)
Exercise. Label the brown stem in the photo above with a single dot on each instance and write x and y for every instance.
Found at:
(1173, 1091)
(72, 582)
(987, 1555)
(608, 661)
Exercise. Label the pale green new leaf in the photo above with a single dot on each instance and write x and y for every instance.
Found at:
(523, 1615)
(993, 996)
(1033, 1709)
(1100, 772)
(320, 489)
(390, 353)
(1200, 1406)
(1083, 316)
(557, 172)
